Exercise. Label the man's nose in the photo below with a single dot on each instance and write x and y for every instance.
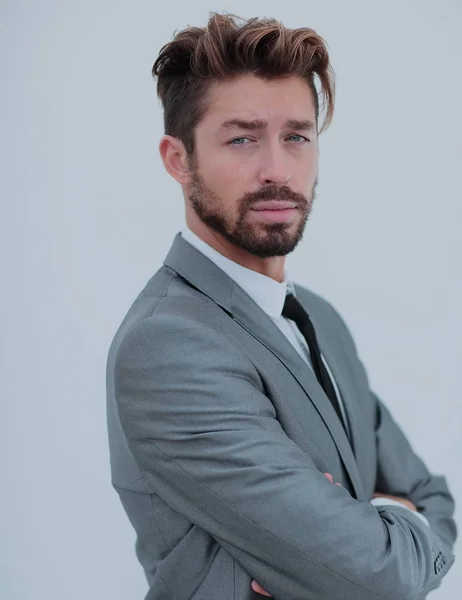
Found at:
(274, 168)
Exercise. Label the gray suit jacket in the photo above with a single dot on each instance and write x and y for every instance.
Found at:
(219, 437)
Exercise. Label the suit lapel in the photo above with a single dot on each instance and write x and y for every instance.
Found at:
(203, 274)
(260, 326)
(343, 379)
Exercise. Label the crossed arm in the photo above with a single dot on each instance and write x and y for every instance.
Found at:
(401, 475)
(208, 442)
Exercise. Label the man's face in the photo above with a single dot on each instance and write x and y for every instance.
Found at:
(256, 144)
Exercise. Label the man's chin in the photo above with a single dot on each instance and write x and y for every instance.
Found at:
(268, 249)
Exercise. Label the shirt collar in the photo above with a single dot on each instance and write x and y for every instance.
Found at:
(265, 291)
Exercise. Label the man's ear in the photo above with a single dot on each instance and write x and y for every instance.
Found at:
(175, 158)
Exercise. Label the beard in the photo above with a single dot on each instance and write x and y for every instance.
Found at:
(264, 240)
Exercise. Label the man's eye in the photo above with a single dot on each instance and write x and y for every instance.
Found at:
(241, 141)
(301, 138)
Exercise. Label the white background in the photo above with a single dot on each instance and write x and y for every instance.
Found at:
(88, 214)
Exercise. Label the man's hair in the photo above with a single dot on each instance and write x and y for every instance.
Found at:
(224, 50)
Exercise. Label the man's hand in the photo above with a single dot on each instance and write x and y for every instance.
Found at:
(404, 501)
(256, 586)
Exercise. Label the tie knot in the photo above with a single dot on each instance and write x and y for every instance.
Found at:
(293, 309)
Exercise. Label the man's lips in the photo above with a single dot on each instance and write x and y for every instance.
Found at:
(275, 211)
(274, 205)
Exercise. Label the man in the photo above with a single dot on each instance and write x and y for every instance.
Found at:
(236, 399)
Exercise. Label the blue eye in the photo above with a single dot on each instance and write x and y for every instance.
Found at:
(297, 135)
(236, 141)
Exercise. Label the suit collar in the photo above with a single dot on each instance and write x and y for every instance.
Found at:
(203, 274)
(212, 281)
(264, 291)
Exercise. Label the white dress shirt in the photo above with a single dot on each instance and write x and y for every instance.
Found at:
(270, 296)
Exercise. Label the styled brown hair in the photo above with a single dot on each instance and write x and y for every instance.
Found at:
(224, 50)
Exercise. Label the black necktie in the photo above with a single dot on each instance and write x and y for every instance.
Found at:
(294, 310)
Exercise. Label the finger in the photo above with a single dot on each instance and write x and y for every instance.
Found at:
(329, 477)
(257, 588)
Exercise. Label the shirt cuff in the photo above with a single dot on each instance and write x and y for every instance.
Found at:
(390, 502)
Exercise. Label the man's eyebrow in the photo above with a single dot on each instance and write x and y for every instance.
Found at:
(242, 124)
(304, 124)
(299, 124)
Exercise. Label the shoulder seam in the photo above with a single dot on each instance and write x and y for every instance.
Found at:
(163, 293)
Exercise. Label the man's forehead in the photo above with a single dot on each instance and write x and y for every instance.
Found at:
(259, 102)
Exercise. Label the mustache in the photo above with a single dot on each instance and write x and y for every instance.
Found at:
(274, 192)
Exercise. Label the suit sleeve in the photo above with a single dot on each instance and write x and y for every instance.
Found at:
(401, 472)
(207, 440)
